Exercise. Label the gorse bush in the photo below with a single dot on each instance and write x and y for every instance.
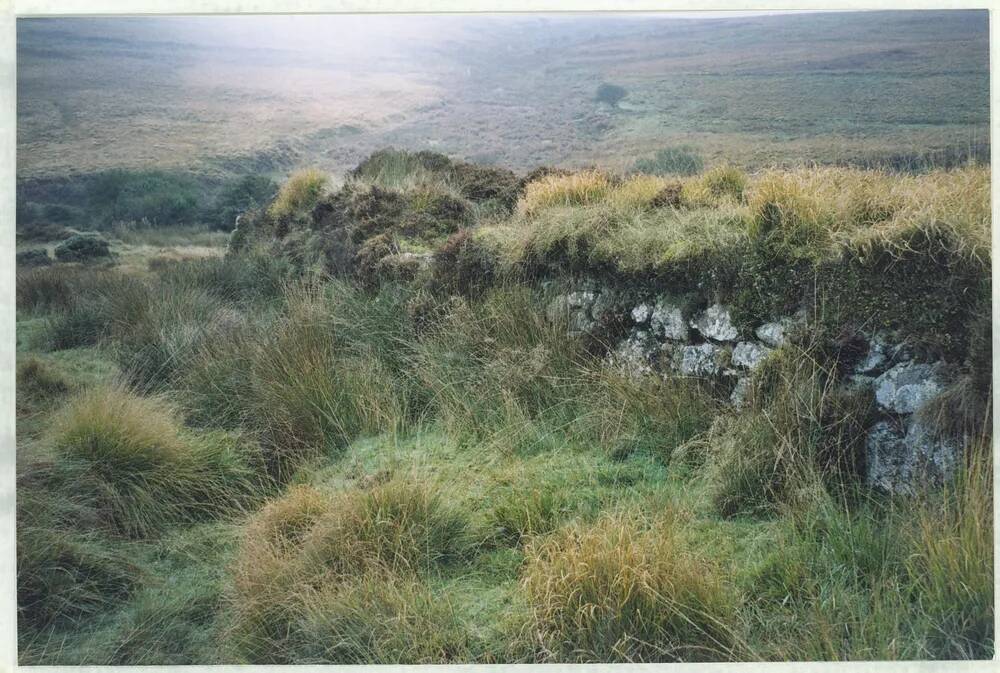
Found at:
(161, 197)
(250, 191)
(629, 591)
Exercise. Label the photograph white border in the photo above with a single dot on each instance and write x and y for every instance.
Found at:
(11, 9)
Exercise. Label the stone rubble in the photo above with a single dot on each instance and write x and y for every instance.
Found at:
(667, 321)
(716, 323)
(749, 354)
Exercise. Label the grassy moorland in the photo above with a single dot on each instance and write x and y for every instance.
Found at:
(214, 98)
(357, 437)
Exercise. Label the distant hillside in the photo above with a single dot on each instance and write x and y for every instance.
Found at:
(223, 95)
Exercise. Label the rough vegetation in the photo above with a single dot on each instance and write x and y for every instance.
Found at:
(441, 413)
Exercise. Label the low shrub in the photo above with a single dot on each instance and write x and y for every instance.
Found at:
(683, 160)
(626, 590)
(462, 265)
(32, 257)
(82, 248)
(610, 93)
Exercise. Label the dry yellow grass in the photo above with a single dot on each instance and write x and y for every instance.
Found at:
(816, 212)
(299, 193)
(113, 425)
(625, 589)
(577, 189)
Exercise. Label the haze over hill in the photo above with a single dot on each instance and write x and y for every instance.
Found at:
(234, 94)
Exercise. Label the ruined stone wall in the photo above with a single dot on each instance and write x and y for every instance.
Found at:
(661, 336)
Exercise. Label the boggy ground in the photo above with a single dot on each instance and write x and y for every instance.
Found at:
(358, 437)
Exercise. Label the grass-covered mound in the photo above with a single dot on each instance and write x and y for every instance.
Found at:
(392, 209)
(866, 250)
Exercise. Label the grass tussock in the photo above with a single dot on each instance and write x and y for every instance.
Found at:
(145, 469)
(798, 434)
(718, 186)
(875, 581)
(951, 564)
(625, 590)
(652, 415)
(316, 375)
(310, 561)
(575, 189)
(38, 384)
(65, 573)
(298, 194)
(381, 620)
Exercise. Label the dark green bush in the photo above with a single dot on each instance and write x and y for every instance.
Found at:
(238, 196)
(683, 160)
(610, 94)
(82, 248)
(157, 196)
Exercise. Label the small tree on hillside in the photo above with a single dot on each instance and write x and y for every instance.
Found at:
(610, 93)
